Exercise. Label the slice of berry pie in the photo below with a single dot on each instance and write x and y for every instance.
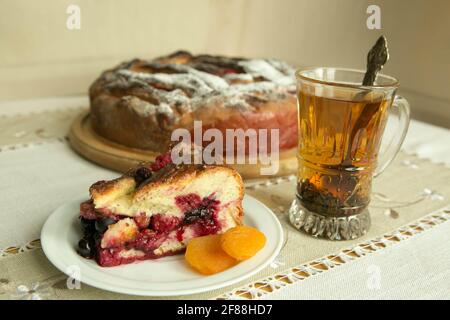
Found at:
(156, 208)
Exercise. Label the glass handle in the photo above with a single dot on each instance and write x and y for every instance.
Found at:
(401, 106)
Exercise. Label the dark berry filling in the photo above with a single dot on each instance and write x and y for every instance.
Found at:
(141, 174)
(148, 240)
(108, 213)
(199, 214)
(161, 161)
(145, 171)
(161, 223)
(87, 210)
(86, 247)
(204, 211)
(101, 224)
(142, 220)
(188, 201)
(112, 257)
(88, 244)
(204, 227)
(87, 225)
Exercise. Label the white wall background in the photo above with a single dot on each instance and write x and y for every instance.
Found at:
(40, 57)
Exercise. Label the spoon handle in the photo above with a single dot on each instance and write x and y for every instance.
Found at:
(376, 59)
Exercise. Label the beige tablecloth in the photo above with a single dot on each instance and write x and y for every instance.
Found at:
(40, 172)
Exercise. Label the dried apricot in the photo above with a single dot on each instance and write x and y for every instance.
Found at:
(206, 255)
(242, 242)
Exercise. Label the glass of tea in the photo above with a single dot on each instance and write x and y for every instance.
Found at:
(340, 126)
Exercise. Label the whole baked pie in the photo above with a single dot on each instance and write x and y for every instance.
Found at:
(153, 210)
(140, 102)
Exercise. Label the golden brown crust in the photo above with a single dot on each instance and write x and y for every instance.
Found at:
(240, 216)
(103, 186)
(103, 191)
(140, 103)
(172, 174)
(108, 186)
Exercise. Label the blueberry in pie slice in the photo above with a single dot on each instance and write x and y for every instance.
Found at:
(156, 208)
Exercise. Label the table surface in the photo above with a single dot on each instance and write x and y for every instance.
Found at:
(425, 140)
(430, 250)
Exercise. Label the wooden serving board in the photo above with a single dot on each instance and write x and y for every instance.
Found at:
(106, 153)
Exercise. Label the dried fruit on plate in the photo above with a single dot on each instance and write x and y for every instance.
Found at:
(242, 242)
(206, 255)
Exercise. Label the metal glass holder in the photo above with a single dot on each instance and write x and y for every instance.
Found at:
(328, 227)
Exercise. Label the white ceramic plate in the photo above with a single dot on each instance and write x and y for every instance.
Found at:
(167, 276)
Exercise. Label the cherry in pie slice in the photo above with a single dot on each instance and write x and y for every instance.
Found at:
(156, 208)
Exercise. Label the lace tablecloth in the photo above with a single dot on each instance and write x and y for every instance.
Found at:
(406, 244)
